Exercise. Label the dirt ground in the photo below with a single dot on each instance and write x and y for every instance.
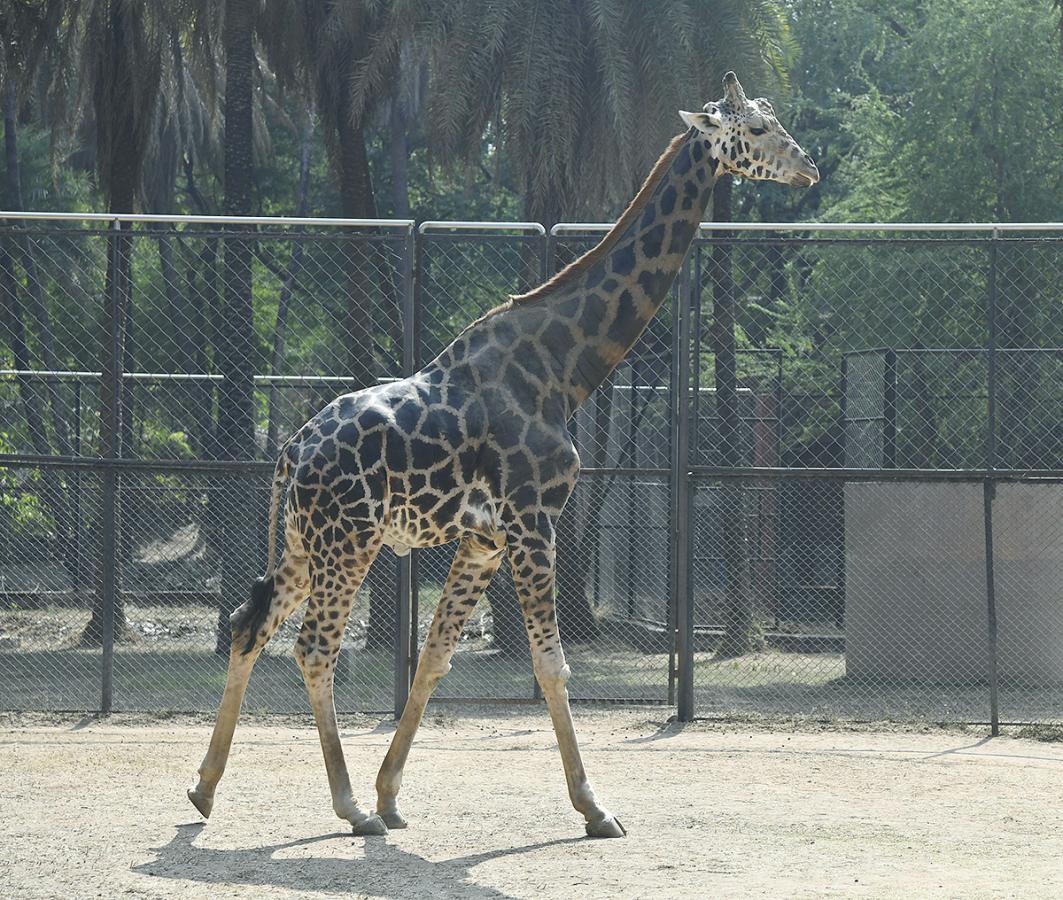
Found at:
(97, 809)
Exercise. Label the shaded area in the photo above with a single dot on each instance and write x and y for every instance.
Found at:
(374, 874)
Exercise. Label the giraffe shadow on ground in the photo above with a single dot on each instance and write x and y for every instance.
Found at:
(665, 730)
(386, 869)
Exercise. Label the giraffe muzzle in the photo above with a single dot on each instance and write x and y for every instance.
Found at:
(807, 177)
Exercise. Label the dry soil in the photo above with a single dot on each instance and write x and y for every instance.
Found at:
(97, 809)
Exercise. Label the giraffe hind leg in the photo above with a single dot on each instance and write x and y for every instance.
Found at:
(272, 601)
(472, 570)
(334, 583)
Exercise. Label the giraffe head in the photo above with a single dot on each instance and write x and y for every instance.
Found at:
(748, 140)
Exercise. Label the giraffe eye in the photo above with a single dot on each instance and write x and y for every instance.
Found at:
(758, 131)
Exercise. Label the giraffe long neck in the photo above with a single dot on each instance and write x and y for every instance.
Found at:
(598, 308)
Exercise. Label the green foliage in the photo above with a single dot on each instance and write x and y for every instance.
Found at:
(21, 510)
(915, 111)
(583, 95)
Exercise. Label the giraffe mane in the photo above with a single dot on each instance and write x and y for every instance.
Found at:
(577, 267)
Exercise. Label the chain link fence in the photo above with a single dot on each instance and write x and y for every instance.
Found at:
(827, 481)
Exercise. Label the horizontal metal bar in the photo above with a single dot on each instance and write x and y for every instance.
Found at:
(480, 226)
(883, 226)
(866, 351)
(977, 350)
(401, 224)
(32, 460)
(559, 228)
(1048, 476)
(632, 470)
(569, 227)
(535, 701)
(37, 461)
(61, 375)
(336, 238)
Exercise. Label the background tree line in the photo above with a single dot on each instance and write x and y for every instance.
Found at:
(497, 109)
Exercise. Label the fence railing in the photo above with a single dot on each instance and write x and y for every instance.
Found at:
(846, 505)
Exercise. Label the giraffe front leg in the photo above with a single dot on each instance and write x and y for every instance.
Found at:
(333, 586)
(532, 558)
(472, 570)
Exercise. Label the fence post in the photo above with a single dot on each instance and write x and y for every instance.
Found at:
(546, 265)
(407, 615)
(81, 593)
(989, 487)
(682, 602)
(110, 429)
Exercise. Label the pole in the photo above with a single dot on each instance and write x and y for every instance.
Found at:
(79, 551)
(110, 430)
(406, 618)
(547, 250)
(989, 490)
(681, 532)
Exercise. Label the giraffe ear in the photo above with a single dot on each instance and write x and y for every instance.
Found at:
(702, 121)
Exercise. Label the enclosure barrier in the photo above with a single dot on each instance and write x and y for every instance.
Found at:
(827, 482)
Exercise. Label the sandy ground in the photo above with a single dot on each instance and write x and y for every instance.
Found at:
(97, 809)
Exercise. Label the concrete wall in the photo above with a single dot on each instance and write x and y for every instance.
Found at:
(915, 582)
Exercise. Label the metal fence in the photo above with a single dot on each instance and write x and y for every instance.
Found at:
(827, 481)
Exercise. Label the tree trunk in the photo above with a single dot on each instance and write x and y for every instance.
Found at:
(739, 633)
(400, 199)
(197, 336)
(14, 319)
(54, 495)
(180, 410)
(15, 337)
(235, 339)
(120, 148)
(39, 308)
(280, 331)
(400, 150)
(356, 194)
(158, 197)
(118, 286)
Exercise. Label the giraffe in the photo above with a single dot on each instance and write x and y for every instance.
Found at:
(475, 448)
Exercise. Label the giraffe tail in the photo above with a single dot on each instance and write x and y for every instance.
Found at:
(249, 618)
(281, 474)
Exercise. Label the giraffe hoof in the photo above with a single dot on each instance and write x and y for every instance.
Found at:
(201, 802)
(608, 826)
(393, 820)
(371, 826)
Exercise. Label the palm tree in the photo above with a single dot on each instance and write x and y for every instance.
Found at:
(118, 51)
(581, 96)
(236, 418)
(319, 47)
(23, 25)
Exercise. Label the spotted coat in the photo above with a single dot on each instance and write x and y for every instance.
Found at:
(475, 448)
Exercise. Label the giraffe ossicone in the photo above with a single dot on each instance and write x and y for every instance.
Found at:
(475, 448)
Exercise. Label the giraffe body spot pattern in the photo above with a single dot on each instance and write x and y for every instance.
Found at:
(475, 448)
